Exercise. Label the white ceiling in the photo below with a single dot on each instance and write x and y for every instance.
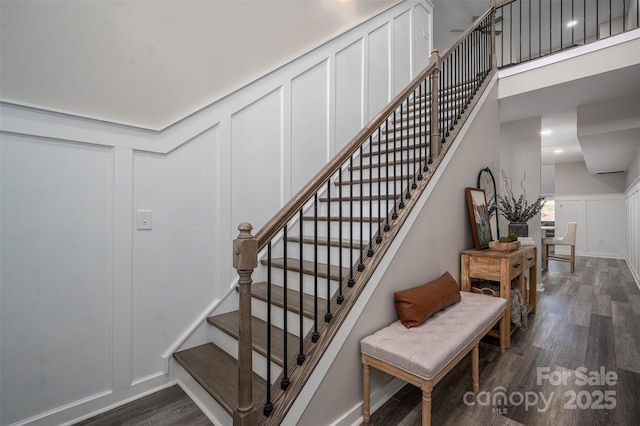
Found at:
(557, 105)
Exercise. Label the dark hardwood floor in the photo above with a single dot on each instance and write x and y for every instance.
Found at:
(586, 322)
(586, 332)
(167, 407)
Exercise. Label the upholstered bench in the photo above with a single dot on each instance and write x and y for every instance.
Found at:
(424, 354)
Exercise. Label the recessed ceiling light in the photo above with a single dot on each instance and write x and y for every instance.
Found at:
(558, 151)
(545, 132)
(572, 24)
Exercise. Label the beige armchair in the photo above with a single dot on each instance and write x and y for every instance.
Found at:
(569, 239)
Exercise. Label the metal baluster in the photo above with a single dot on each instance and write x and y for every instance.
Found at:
(520, 28)
(394, 216)
(370, 251)
(597, 19)
(561, 20)
(422, 121)
(351, 281)
(379, 237)
(511, 33)
(401, 205)
(540, 27)
(328, 315)
(427, 119)
(316, 335)
(361, 264)
(301, 356)
(529, 36)
(609, 18)
(387, 227)
(268, 406)
(340, 295)
(285, 382)
(550, 27)
(416, 135)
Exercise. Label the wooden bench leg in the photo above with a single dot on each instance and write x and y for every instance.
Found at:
(475, 368)
(366, 415)
(427, 388)
(503, 334)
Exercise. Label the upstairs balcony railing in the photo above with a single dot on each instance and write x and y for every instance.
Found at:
(530, 29)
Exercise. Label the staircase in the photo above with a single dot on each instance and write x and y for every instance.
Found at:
(318, 252)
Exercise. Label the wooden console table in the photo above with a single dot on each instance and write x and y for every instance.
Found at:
(503, 267)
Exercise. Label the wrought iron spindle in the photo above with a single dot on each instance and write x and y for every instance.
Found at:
(401, 205)
(394, 215)
(361, 264)
(351, 281)
(340, 295)
(379, 237)
(328, 315)
(316, 335)
(301, 356)
(285, 381)
(370, 250)
(387, 227)
(268, 406)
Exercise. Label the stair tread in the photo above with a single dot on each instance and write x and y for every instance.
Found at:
(230, 324)
(333, 242)
(345, 219)
(405, 135)
(259, 291)
(357, 197)
(395, 149)
(308, 266)
(385, 164)
(380, 179)
(217, 372)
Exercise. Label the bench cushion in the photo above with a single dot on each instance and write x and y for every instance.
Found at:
(426, 349)
(416, 304)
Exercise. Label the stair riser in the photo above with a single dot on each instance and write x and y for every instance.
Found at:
(392, 188)
(383, 171)
(259, 310)
(354, 208)
(230, 346)
(333, 230)
(293, 250)
(293, 281)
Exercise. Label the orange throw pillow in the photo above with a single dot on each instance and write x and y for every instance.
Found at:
(416, 304)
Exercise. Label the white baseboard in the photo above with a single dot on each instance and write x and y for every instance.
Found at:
(99, 403)
(353, 417)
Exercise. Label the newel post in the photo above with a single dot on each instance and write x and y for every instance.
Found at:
(435, 124)
(245, 260)
(494, 58)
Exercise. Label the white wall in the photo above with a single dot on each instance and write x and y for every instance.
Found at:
(520, 159)
(632, 202)
(574, 178)
(89, 303)
(548, 179)
(602, 229)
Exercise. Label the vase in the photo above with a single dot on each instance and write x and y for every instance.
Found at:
(521, 229)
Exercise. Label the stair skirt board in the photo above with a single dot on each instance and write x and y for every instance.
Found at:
(324, 244)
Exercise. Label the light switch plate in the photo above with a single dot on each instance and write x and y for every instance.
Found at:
(143, 219)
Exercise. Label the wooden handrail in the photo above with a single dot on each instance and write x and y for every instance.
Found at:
(293, 206)
(466, 33)
(504, 3)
